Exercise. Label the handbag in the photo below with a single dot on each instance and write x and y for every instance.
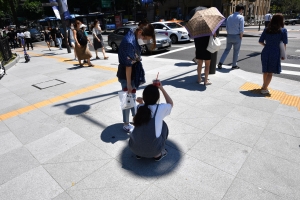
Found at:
(214, 44)
(82, 39)
(126, 100)
(282, 51)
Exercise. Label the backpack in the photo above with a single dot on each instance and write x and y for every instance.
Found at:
(82, 39)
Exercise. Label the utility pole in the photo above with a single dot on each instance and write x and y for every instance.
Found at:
(64, 25)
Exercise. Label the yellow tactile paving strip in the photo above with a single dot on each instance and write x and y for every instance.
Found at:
(55, 99)
(61, 97)
(278, 95)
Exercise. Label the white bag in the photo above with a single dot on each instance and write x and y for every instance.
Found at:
(282, 50)
(214, 44)
(126, 100)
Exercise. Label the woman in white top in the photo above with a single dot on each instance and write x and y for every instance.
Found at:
(72, 39)
(98, 40)
(150, 132)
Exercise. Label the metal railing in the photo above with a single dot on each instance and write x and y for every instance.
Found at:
(5, 52)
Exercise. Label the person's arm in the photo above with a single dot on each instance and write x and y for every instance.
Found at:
(242, 21)
(262, 39)
(167, 97)
(128, 78)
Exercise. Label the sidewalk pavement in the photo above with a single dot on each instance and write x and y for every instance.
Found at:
(61, 134)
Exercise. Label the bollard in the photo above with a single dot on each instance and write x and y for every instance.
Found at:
(259, 25)
(213, 63)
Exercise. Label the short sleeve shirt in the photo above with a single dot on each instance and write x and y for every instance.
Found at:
(129, 53)
(163, 110)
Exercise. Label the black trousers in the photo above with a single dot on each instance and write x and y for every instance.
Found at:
(28, 41)
(267, 23)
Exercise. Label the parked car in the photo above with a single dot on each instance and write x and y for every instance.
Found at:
(175, 31)
(35, 35)
(293, 21)
(163, 42)
(181, 22)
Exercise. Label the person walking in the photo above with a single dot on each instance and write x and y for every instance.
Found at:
(83, 28)
(28, 39)
(48, 38)
(12, 38)
(71, 39)
(81, 48)
(235, 31)
(98, 39)
(130, 70)
(270, 55)
(20, 38)
(59, 37)
(202, 54)
(150, 131)
(268, 18)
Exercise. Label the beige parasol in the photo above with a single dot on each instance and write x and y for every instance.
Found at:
(204, 22)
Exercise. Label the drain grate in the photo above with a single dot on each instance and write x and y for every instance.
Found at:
(48, 84)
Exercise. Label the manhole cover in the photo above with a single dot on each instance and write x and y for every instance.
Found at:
(47, 84)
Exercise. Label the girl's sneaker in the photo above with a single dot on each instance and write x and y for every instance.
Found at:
(128, 128)
(265, 92)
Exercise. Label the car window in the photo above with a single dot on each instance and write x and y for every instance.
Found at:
(159, 26)
(121, 31)
(173, 25)
(33, 31)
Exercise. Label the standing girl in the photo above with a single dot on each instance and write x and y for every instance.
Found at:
(270, 55)
(130, 71)
(81, 48)
(48, 38)
(98, 40)
(71, 38)
(58, 37)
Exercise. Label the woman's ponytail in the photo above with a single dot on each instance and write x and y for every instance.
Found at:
(142, 116)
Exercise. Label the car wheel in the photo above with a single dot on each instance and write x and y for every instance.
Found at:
(174, 39)
(114, 46)
(144, 49)
(293, 23)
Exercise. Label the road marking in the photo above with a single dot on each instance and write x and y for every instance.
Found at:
(290, 72)
(55, 99)
(290, 65)
(278, 95)
(298, 51)
(172, 51)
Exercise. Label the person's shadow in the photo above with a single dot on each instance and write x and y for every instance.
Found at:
(146, 167)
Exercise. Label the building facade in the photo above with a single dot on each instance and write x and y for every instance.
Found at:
(180, 9)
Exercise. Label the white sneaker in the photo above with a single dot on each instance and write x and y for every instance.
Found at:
(265, 92)
(128, 128)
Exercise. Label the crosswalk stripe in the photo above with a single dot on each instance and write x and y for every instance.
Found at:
(290, 72)
(298, 51)
(290, 65)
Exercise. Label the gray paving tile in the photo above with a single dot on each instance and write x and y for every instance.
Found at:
(53, 144)
(185, 141)
(68, 174)
(63, 196)
(179, 128)
(243, 190)
(35, 184)
(284, 124)
(10, 102)
(221, 153)
(154, 192)
(240, 132)
(260, 103)
(8, 142)
(279, 144)
(16, 162)
(116, 183)
(288, 111)
(84, 151)
(249, 115)
(272, 173)
(37, 96)
(3, 128)
(36, 130)
(205, 123)
(193, 179)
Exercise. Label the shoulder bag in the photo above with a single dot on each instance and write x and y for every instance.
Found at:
(214, 44)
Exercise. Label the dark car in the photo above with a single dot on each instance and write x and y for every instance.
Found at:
(35, 35)
(292, 21)
(163, 42)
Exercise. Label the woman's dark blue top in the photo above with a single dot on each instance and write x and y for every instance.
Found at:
(270, 55)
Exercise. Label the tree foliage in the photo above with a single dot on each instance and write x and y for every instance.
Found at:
(285, 6)
(31, 9)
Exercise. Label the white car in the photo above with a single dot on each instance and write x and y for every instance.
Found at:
(175, 31)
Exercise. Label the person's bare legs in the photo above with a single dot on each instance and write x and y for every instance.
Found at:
(104, 54)
(96, 51)
(89, 62)
(74, 50)
(207, 66)
(79, 62)
(267, 80)
(199, 70)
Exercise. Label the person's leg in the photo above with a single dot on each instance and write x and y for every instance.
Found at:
(199, 70)
(267, 80)
(104, 54)
(60, 43)
(236, 50)
(207, 66)
(227, 49)
(31, 43)
(96, 51)
(27, 43)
